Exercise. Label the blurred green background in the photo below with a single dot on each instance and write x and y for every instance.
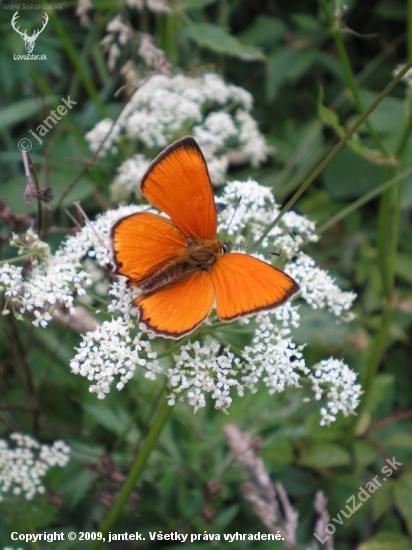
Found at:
(294, 58)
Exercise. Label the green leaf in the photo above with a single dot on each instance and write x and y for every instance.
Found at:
(22, 110)
(402, 440)
(378, 392)
(115, 420)
(225, 517)
(265, 31)
(325, 455)
(365, 454)
(286, 65)
(278, 454)
(218, 40)
(331, 119)
(383, 541)
(403, 266)
(349, 175)
(382, 499)
(403, 498)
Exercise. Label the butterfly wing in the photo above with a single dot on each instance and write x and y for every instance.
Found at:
(143, 242)
(178, 309)
(178, 183)
(245, 285)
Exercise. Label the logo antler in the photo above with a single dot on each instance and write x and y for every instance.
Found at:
(29, 41)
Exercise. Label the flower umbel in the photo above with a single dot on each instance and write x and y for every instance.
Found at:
(206, 366)
(24, 464)
(332, 378)
(217, 114)
(209, 366)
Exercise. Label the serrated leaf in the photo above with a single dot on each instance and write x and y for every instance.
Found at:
(403, 498)
(218, 40)
(325, 455)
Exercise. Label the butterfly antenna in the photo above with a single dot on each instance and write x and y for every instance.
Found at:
(251, 248)
(233, 215)
(254, 249)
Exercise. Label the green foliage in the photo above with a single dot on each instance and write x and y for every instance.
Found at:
(284, 54)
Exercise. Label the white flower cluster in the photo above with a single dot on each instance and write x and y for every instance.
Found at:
(110, 354)
(56, 279)
(204, 369)
(51, 284)
(25, 462)
(113, 351)
(273, 356)
(164, 108)
(30, 243)
(318, 288)
(128, 175)
(336, 381)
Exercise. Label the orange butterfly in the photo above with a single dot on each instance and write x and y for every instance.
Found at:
(178, 265)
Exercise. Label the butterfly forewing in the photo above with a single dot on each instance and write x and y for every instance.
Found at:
(143, 242)
(178, 183)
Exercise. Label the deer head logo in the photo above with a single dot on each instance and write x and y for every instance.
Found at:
(29, 41)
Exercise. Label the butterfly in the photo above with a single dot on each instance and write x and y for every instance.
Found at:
(180, 268)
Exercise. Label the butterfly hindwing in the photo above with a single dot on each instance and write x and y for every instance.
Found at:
(179, 308)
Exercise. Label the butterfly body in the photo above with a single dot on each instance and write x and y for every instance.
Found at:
(198, 256)
(180, 268)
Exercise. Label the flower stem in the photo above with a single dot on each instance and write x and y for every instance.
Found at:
(136, 470)
(349, 76)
